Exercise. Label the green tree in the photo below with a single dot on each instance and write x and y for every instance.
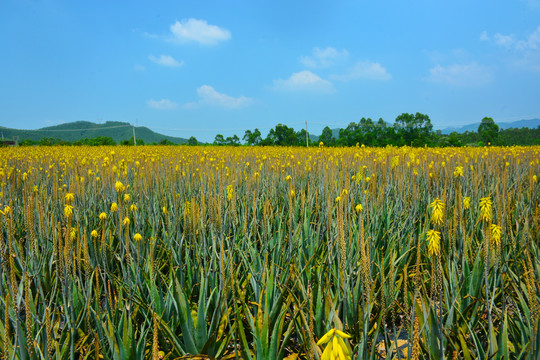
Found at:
(252, 138)
(326, 137)
(219, 140)
(488, 130)
(281, 135)
(193, 141)
(232, 140)
(414, 129)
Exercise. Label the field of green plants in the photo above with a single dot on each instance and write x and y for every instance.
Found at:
(269, 253)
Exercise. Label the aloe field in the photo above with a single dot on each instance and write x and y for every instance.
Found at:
(160, 252)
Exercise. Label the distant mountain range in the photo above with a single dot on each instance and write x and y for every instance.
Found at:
(531, 124)
(79, 130)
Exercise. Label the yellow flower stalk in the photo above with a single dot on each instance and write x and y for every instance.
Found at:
(230, 192)
(434, 242)
(114, 207)
(359, 208)
(126, 221)
(119, 187)
(70, 198)
(496, 232)
(137, 237)
(127, 198)
(68, 211)
(94, 234)
(103, 216)
(466, 202)
(485, 208)
(458, 172)
(438, 211)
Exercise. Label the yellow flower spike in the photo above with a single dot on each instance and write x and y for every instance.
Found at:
(291, 193)
(133, 207)
(496, 232)
(127, 198)
(485, 208)
(466, 202)
(438, 211)
(458, 172)
(326, 337)
(137, 237)
(94, 234)
(68, 211)
(338, 199)
(126, 221)
(165, 211)
(434, 242)
(119, 187)
(70, 197)
(103, 216)
(114, 207)
(359, 208)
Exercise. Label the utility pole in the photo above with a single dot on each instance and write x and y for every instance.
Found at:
(307, 142)
(134, 139)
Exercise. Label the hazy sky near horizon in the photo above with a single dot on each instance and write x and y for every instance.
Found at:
(201, 68)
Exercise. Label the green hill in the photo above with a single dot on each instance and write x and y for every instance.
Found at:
(79, 130)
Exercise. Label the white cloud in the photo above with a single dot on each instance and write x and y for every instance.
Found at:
(364, 70)
(209, 96)
(532, 42)
(484, 36)
(472, 74)
(504, 40)
(321, 58)
(193, 30)
(304, 81)
(166, 60)
(139, 68)
(163, 104)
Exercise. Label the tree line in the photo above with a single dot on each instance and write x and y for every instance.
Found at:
(407, 129)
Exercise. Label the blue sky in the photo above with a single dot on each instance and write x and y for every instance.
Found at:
(206, 67)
